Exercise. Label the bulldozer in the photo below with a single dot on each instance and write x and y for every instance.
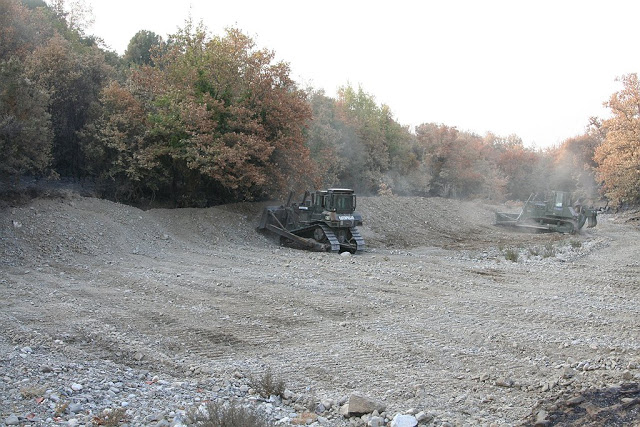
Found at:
(324, 220)
(555, 213)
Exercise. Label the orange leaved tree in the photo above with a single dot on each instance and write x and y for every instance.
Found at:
(618, 156)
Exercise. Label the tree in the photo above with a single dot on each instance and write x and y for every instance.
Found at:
(518, 165)
(452, 157)
(325, 136)
(77, 15)
(368, 151)
(73, 75)
(574, 167)
(21, 29)
(141, 47)
(25, 126)
(618, 156)
(221, 122)
(114, 144)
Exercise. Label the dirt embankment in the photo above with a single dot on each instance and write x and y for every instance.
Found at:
(432, 317)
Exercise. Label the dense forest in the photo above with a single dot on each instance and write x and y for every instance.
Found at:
(201, 119)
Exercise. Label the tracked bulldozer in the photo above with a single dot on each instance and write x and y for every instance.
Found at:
(554, 213)
(324, 220)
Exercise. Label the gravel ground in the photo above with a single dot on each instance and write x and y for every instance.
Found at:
(109, 311)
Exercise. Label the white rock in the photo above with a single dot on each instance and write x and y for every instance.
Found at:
(404, 421)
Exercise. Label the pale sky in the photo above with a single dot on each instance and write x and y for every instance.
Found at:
(537, 69)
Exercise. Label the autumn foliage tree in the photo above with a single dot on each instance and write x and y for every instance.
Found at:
(73, 74)
(574, 168)
(373, 149)
(26, 137)
(113, 142)
(25, 126)
(461, 164)
(618, 156)
(223, 122)
(327, 137)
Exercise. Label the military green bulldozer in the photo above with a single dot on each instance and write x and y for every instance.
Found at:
(324, 220)
(554, 213)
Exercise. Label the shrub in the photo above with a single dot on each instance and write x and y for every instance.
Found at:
(511, 255)
(217, 414)
(111, 418)
(267, 385)
(549, 250)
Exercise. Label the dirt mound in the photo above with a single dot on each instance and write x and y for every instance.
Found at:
(409, 222)
(69, 224)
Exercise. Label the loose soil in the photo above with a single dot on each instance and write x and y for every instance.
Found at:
(444, 312)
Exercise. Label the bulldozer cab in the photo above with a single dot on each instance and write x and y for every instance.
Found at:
(561, 199)
(335, 200)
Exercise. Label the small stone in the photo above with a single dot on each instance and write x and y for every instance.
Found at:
(328, 403)
(12, 420)
(627, 376)
(344, 410)
(74, 408)
(361, 404)
(423, 417)
(568, 373)
(154, 417)
(575, 401)
(76, 387)
(505, 382)
(541, 418)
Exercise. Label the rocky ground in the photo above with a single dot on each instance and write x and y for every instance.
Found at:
(110, 314)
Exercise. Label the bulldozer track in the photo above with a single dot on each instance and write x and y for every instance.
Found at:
(355, 233)
(331, 237)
